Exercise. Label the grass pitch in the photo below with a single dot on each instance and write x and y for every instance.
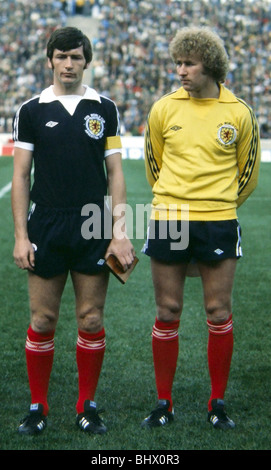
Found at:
(126, 389)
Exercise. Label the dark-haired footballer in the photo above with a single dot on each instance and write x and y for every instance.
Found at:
(71, 135)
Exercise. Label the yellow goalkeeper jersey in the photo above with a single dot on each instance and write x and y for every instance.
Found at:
(204, 153)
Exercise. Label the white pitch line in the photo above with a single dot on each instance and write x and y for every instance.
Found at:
(8, 186)
(5, 190)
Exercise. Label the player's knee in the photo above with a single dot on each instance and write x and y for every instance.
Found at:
(169, 311)
(42, 322)
(90, 319)
(218, 313)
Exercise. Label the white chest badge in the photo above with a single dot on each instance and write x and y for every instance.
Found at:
(94, 124)
(227, 134)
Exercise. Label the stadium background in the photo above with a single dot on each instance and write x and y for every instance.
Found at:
(130, 40)
(131, 65)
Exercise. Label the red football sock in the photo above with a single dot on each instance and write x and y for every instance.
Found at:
(165, 347)
(220, 348)
(39, 349)
(90, 351)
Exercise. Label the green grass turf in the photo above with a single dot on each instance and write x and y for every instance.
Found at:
(126, 388)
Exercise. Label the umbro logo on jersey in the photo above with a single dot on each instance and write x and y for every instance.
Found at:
(218, 251)
(175, 128)
(51, 124)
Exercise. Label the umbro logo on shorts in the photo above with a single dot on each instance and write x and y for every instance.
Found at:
(101, 262)
(218, 251)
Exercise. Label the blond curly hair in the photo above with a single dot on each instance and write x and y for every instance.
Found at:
(206, 46)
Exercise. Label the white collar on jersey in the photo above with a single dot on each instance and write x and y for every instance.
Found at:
(69, 102)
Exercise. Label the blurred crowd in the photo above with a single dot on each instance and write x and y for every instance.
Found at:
(131, 61)
(25, 27)
(133, 64)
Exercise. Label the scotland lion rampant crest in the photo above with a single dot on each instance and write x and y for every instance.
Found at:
(94, 126)
(227, 134)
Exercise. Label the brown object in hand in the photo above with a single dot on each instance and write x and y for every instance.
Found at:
(116, 268)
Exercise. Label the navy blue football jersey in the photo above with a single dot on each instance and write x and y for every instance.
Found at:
(69, 143)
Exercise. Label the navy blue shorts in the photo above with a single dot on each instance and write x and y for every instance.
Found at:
(59, 245)
(185, 241)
